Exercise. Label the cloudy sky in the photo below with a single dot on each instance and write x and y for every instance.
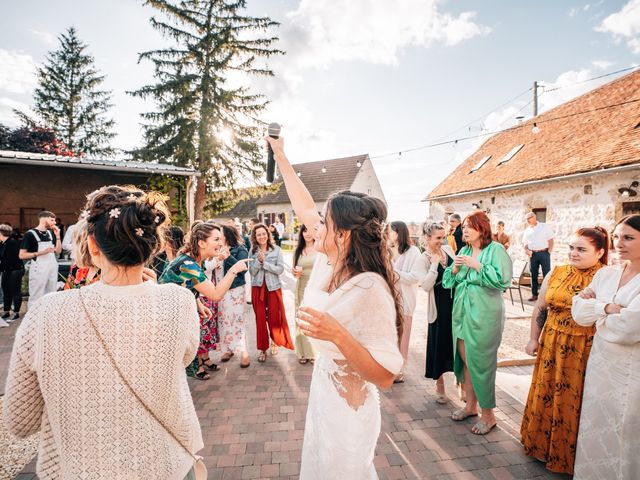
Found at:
(367, 76)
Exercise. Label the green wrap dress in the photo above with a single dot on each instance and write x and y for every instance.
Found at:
(478, 317)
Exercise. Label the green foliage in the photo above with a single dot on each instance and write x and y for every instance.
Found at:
(176, 188)
(68, 100)
(211, 40)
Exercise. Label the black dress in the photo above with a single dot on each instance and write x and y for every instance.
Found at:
(439, 339)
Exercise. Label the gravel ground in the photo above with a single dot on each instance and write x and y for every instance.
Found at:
(15, 453)
(514, 338)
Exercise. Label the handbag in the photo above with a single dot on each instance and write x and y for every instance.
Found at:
(199, 467)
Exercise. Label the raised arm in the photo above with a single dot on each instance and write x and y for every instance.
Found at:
(301, 199)
(216, 292)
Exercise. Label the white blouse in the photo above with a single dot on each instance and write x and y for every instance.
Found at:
(411, 268)
(623, 327)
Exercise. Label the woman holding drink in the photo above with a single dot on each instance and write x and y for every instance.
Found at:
(303, 259)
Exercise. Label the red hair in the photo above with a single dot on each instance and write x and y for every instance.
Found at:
(481, 223)
(599, 238)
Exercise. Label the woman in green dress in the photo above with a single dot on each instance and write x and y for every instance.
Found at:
(303, 259)
(481, 272)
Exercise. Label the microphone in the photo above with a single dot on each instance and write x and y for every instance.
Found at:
(274, 132)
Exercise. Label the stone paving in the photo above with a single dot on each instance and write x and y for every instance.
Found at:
(253, 421)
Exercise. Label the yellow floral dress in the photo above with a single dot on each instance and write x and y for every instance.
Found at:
(549, 428)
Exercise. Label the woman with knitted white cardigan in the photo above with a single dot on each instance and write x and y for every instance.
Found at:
(79, 356)
(353, 326)
(410, 266)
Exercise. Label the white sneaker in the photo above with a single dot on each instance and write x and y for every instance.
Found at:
(3, 324)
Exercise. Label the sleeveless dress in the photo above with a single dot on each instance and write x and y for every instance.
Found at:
(303, 346)
(550, 421)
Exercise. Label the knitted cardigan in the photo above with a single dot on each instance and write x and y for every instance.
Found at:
(62, 384)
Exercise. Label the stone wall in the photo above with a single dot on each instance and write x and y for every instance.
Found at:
(570, 204)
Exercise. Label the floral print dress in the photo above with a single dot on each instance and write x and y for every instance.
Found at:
(185, 271)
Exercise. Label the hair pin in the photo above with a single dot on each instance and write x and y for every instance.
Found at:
(139, 232)
(114, 212)
(132, 198)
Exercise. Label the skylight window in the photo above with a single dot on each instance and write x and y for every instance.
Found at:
(480, 164)
(511, 154)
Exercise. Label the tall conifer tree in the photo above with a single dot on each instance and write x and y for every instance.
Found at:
(201, 120)
(68, 99)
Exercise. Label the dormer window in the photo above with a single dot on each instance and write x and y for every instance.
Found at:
(480, 164)
(511, 154)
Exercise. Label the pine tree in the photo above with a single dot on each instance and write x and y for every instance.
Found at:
(68, 100)
(196, 106)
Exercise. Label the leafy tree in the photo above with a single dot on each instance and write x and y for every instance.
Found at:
(68, 99)
(33, 139)
(201, 120)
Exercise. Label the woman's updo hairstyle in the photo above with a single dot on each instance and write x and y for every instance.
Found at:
(199, 231)
(369, 247)
(126, 222)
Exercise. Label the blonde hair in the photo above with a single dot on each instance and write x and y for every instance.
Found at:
(80, 245)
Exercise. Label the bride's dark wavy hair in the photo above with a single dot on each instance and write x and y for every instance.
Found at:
(364, 216)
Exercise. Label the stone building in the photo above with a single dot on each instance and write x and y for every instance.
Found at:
(322, 178)
(576, 165)
(32, 182)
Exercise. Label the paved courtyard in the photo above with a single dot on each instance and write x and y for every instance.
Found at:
(253, 420)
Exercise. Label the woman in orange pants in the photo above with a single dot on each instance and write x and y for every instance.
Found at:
(265, 268)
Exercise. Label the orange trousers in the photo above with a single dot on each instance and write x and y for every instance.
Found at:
(271, 319)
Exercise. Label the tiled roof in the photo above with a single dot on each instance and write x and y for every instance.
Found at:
(26, 158)
(598, 130)
(340, 174)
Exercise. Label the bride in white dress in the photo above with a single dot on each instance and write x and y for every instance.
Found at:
(352, 315)
(608, 446)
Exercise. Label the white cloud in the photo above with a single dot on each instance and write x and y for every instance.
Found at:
(601, 64)
(572, 12)
(18, 72)
(7, 105)
(369, 30)
(47, 37)
(624, 25)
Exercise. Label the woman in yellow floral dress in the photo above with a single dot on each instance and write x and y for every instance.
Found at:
(550, 422)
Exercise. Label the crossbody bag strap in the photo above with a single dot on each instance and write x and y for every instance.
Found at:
(126, 382)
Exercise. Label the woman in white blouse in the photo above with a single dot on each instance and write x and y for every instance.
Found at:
(410, 266)
(610, 419)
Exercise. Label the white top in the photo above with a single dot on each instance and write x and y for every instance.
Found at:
(411, 268)
(623, 327)
(280, 228)
(537, 238)
(62, 383)
(67, 241)
(429, 281)
(364, 306)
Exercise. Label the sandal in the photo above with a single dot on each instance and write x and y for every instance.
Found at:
(302, 361)
(226, 357)
(442, 399)
(312, 361)
(262, 357)
(482, 428)
(399, 378)
(211, 366)
(201, 374)
(274, 350)
(461, 414)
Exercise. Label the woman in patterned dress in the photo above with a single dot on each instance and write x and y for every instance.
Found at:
(232, 323)
(203, 242)
(550, 422)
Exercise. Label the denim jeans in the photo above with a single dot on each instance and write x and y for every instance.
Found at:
(539, 259)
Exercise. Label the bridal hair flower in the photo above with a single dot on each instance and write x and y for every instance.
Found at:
(139, 232)
(157, 219)
(84, 214)
(114, 213)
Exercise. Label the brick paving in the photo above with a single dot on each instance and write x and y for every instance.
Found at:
(253, 421)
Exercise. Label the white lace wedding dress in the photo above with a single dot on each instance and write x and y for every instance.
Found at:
(343, 416)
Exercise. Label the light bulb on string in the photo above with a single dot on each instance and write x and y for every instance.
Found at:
(324, 169)
(535, 130)
(299, 174)
(358, 164)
